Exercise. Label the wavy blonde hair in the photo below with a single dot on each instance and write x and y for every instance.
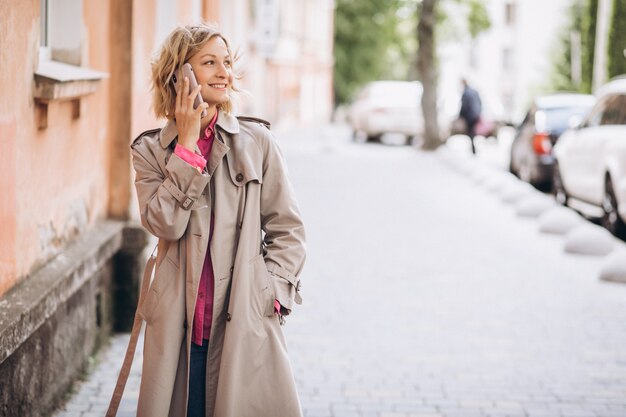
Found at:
(180, 45)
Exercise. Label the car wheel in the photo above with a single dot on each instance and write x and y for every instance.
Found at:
(611, 219)
(373, 138)
(358, 136)
(558, 189)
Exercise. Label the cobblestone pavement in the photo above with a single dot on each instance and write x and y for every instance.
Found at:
(425, 296)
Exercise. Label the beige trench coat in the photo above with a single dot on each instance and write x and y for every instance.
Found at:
(257, 250)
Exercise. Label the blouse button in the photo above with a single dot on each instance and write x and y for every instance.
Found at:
(228, 316)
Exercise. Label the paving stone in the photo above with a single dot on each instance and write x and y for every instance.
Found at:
(589, 240)
(559, 220)
(515, 191)
(533, 205)
(614, 267)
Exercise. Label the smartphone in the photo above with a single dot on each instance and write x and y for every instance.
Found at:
(187, 71)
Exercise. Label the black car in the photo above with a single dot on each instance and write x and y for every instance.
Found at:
(548, 117)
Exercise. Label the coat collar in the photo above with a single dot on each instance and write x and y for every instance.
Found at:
(225, 121)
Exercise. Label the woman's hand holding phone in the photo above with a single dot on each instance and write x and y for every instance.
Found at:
(188, 118)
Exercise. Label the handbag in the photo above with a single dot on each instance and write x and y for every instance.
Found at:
(132, 343)
(485, 127)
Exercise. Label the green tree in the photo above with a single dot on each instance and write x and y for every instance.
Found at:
(427, 70)
(430, 17)
(581, 19)
(588, 41)
(369, 43)
(617, 40)
(477, 18)
(562, 78)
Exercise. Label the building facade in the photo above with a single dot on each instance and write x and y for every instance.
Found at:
(509, 63)
(75, 92)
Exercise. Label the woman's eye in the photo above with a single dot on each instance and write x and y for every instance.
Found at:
(209, 63)
(227, 63)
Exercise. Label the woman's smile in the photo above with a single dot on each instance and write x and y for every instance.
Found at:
(219, 86)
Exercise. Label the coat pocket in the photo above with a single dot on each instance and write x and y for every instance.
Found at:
(164, 275)
(262, 288)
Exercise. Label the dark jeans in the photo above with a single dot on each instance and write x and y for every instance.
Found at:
(197, 380)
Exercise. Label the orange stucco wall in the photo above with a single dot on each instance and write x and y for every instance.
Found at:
(55, 178)
(144, 15)
(57, 182)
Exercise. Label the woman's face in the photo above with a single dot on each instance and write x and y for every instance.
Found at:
(212, 66)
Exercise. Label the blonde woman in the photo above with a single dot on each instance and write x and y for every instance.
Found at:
(215, 191)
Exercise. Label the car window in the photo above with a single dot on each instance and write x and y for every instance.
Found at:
(560, 118)
(595, 116)
(398, 93)
(615, 110)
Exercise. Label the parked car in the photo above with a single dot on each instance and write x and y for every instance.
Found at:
(591, 159)
(548, 117)
(387, 107)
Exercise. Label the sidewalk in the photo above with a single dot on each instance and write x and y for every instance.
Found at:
(91, 396)
(427, 296)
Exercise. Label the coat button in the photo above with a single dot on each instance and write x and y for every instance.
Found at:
(231, 269)
(239, 177)
(228, 316)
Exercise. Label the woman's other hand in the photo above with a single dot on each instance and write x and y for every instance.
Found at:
(188, 118)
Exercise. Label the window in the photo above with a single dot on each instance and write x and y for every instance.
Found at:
(44, 23)
(44, 43)
(61, 22)
(59, 74)
(595, 115)
(509, 14)
(614, 110)
(507, 59)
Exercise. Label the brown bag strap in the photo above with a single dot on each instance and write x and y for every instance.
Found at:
(132, 344)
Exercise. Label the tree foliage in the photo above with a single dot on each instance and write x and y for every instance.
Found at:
(588, 41)
(562, 78)
(617, 40)
(477, 18)
(582, 18)
(375, 40)
(369, 43)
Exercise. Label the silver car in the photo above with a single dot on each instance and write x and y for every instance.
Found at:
(546, 120)
(387, 107)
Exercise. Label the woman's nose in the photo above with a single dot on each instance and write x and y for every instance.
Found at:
(221, 71)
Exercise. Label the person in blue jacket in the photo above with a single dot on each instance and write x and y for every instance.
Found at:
(471, 107)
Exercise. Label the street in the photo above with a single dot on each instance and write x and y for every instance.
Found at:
(426, 296)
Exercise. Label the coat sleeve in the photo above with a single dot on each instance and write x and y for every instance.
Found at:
(284, 240)
(165, 198)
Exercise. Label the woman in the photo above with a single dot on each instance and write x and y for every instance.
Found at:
(215, 191)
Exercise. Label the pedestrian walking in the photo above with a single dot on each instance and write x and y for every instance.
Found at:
(214, 189)
(471, 108)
